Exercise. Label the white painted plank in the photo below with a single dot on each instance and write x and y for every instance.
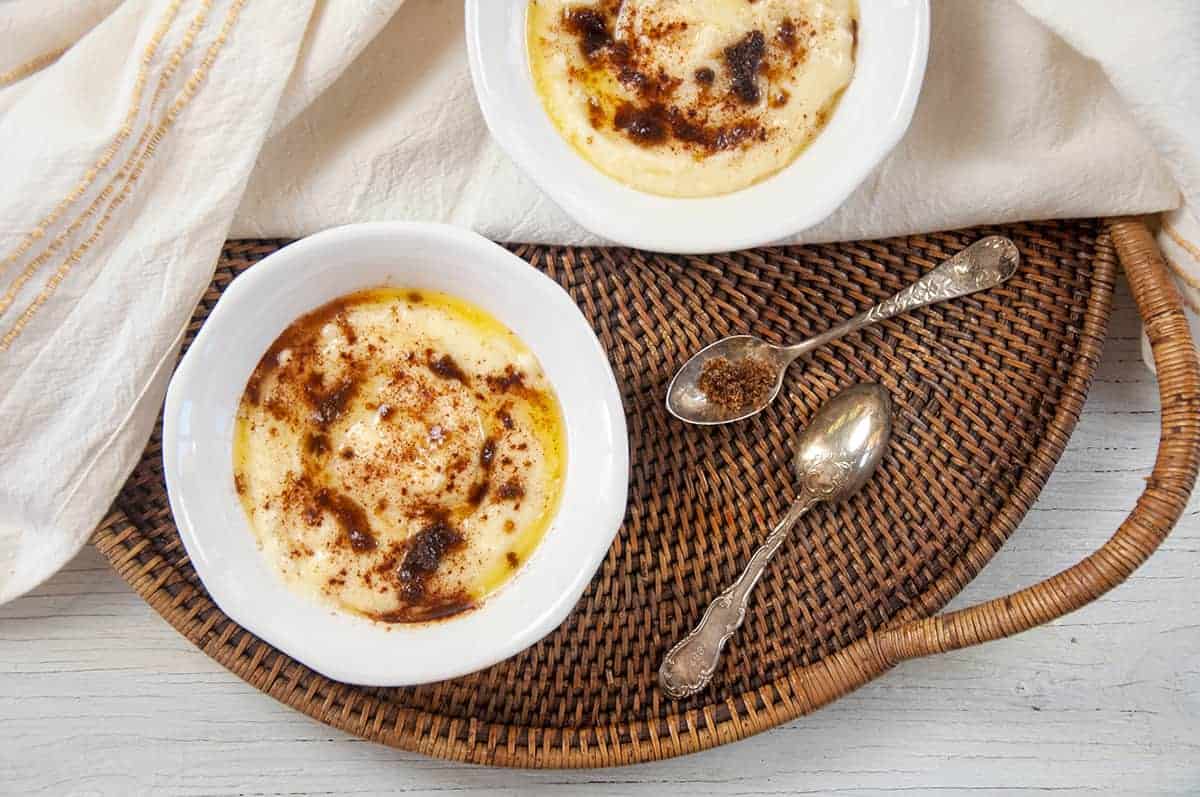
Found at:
(99, 696)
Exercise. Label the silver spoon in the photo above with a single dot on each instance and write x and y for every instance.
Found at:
(835, 456)
(984, 264)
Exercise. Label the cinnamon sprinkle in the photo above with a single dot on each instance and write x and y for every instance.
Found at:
(736, 384)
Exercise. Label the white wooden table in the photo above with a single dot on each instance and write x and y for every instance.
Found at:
(98, 695)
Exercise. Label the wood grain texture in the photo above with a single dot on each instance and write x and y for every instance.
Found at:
(100, 696)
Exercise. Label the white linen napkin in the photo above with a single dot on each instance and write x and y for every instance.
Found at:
(136, 136)
(1151, 54)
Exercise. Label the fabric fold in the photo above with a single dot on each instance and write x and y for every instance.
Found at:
(136, 136)
(114, 215)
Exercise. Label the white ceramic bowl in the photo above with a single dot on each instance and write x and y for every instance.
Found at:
(198, 455)
(872, 116)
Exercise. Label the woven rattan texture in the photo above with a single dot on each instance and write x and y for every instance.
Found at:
(986, 390)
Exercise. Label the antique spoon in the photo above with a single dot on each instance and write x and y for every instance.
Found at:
(984, 264)
(835, 456)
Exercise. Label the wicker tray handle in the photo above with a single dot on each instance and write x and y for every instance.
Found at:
(1159, 506)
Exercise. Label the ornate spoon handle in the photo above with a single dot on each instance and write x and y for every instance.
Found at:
(689, 666)
(982, 265)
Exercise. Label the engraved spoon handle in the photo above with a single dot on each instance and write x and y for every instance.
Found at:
(689, 666)
(982, 265)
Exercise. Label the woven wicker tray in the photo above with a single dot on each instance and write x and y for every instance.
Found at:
(987, 390)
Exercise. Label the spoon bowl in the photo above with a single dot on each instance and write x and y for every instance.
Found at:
(685, 399)
(842, 445)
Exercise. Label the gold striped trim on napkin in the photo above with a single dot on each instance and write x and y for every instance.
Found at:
(130, 170)
(29, 67)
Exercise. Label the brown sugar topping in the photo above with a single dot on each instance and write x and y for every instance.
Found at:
(350, 517)
(347, 330)
(329, 405)
(510, 379)
(644, 125)
(510, 490)
(478, 492)
(657, 114)
(591, 27)
(298, 339)
(447, 368)
(436, 607)
(736, 384)
(787, 33)
(744, 60)
(316, 444)
(425, 551)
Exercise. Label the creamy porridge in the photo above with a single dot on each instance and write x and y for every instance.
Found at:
(399, 454)
(691, 98)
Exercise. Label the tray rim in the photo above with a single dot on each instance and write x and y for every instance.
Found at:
(799, 692)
